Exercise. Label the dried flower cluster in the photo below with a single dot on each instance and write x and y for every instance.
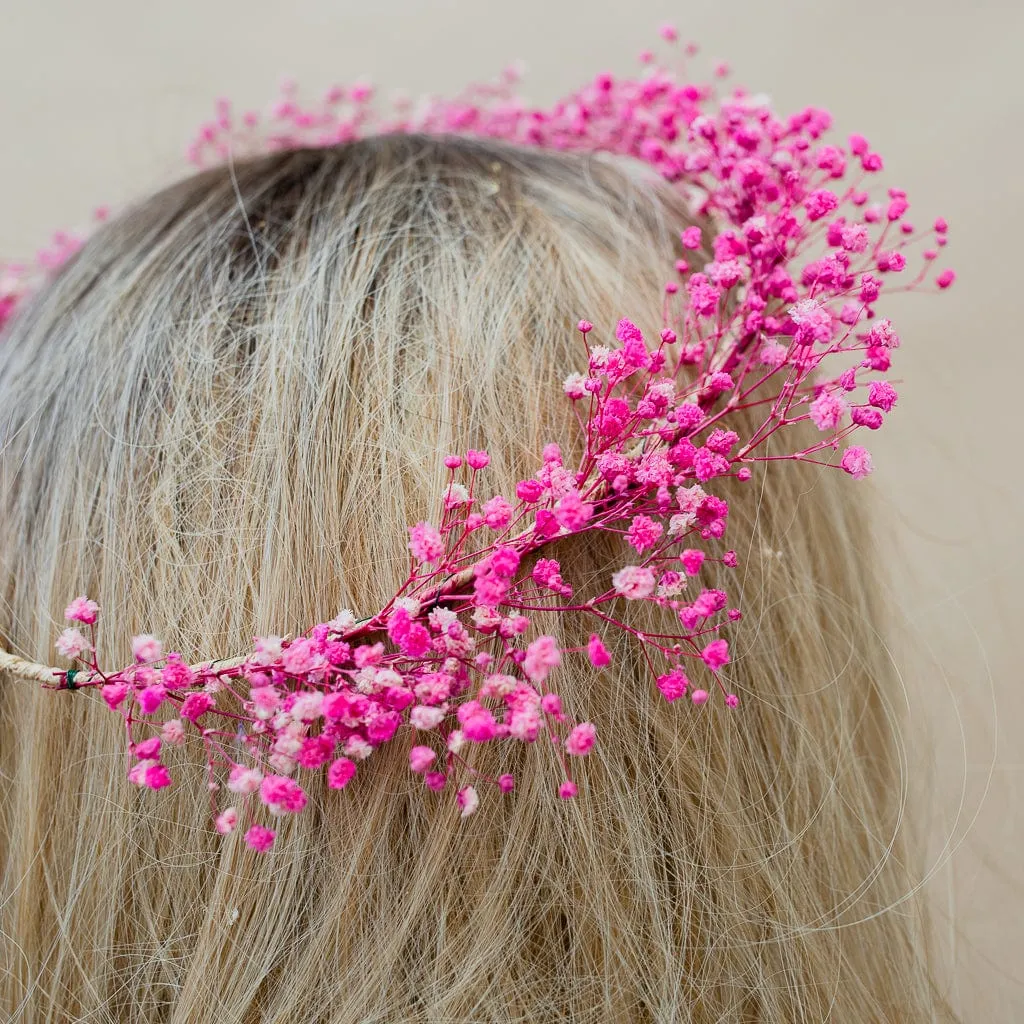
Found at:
(781, 320)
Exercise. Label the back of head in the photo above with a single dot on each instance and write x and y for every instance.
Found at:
(220, 417)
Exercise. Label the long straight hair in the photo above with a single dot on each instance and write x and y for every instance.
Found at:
(218, 420)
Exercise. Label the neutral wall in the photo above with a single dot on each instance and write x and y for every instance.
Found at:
(97, 99)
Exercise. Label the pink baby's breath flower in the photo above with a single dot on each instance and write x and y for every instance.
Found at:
(478, 724)
(497, 513)
(773, 354)
(673, 684)
(644, 532)
(716, 654)
(425, 717)
(574, 386)
(421, 758)
(597, 652)
(340, 773)
(692, 559)
(71, 644)
(282, 795)
(173, 732)
(567, 790)
(299, 657)
(634, 582)
(113, 694)
(227, 820)
(827, 410)
(176, 675)
(551, 703)
(581, 739)
(196, 705)
(146, 648)
(882, 395)
(151, 697)
(813, 322)
(468, 799)
(856, 461)
(572, 512)
(149, 748)
(82, 610)
(266, 650)
(425, 543)
(156, 777)
(259, 838)
(691, 238)
(541, 657)
(699, 696)
(819, 203)
(244, 780)
(704, 295)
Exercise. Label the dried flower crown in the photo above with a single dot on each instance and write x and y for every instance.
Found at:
(783, 319)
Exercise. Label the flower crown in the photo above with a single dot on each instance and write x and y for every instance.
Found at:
(781, 321)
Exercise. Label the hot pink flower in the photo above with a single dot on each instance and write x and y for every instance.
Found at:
(581, 739)
(114, 693)
(259, 838)
(340, 773)
(282, 795)
(716, 654)
(856, 461)
(597, 652)
(195, 706)
(156, 777)
(692, 559)
(151, 697)
(673, 684)
(425, 543)
(644, 532)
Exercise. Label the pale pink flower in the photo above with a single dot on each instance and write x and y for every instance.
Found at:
(71, 644)
(244, 780)
(421, 758)
(259, 838)
(634, 582)
(173, 731)
(82, 610)
(581, 739)
(227, 820)
(541, 657)
(146, 648)
(468, 800)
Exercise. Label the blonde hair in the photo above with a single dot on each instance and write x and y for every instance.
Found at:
(218, 420)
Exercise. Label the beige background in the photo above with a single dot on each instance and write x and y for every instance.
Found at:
(97, 100)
